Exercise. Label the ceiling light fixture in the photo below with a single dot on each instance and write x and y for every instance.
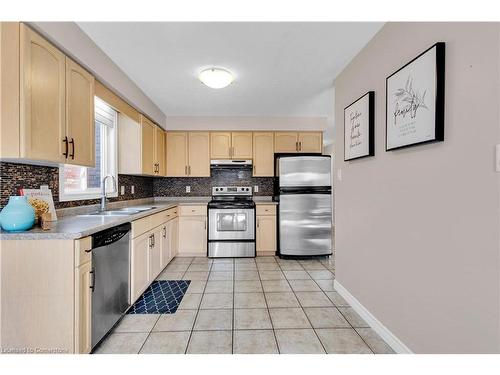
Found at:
(216, 78)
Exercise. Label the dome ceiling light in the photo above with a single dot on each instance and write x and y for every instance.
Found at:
(216, 78)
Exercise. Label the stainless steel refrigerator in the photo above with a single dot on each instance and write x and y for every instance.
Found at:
(305, 205)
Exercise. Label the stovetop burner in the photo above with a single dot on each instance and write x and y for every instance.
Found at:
(231, 197)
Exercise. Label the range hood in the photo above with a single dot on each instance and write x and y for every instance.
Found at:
(228, 163)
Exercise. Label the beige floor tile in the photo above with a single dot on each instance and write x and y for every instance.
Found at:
(217, 267)
(249, 300)
(217, 301)
(223, 261)
(170, 275)
(289, 318)
(182, 260)
(196, 286)
(214, 320)
(246, 275)
(281, 299)
(181, 320)
(254, 342)
(219, 286)
(190, 302)
(221, 275)
(122, 343)
(244, 261)
(326, 317)
(195, 275)
(268, 266)
(137, 323)
(353, 317)
(245, 286)
(291, 266)
(297, 275)
(313, 299)
(374, 341)
(199, 267)
(245, 266)
(326, 285)
(342, 341)
(200, 260)
(321, 274)
(176, 267)
(313, 266)
(276, 286)
(304, 286)
(166, 343)
(298, 341)
(265, 259)
(252, 319)
(271, 275)
(215, 342)
(337, 299)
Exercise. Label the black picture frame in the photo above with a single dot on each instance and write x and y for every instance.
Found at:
(439, 97)
(371, 125)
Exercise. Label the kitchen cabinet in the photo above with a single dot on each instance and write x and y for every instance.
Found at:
(155, 253)
(173, 231)
(80, 127)
(148, 146)
(263, 154)
(83, 308)
(199, 154)
(231, 145)
(266, 229)
(292, 142)
(166, 250)
(160, 156)
(193, 231)
(188, 154)
(139, 265)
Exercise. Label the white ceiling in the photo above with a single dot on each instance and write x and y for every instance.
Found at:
(281, 69)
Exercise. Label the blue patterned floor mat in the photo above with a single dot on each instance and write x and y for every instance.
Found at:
(162, 297)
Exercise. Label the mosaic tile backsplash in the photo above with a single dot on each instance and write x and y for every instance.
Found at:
(14, 176)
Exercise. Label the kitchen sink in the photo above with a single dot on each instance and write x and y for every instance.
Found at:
(136, 209)
(112, 213)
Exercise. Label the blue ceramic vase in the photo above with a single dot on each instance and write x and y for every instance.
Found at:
(18, 215)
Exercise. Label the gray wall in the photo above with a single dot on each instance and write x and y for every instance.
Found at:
(417, 230)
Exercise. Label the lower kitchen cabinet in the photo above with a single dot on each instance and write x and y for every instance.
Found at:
(139, 265)
(155, 252)
(193, 231)
(265, 236)
(83, 308)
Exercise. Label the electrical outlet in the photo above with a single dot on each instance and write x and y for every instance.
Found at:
(132, 189)
(256, 189)
(188, 189)
(122, 190)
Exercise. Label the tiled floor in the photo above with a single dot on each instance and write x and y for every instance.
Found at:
(261, 305)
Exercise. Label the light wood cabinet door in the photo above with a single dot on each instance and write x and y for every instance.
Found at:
(311, 142)
(193, 235)
(42, 98)
(286, 142)
(266, 233)
(241, 143)
(263, 154)
(173, 235)
(80, 126)
(166, 251)
(160, 156)
(220, 145)
(83, 308)
(199, 154)
(177, 154)
(148, 146)
(139, 265)
(155, 252)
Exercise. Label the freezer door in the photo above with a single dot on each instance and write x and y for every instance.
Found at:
(305, 224)
(304, 171)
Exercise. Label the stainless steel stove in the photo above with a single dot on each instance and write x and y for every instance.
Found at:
(231, 222)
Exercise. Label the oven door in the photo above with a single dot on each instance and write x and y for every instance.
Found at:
(231, 224)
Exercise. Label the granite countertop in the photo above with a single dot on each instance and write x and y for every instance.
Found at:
(77, 226)
(72, 225)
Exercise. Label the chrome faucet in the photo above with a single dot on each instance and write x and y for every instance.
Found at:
(103, 196)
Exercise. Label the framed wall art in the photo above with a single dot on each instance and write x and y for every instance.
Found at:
(359, 121)
(415, 101)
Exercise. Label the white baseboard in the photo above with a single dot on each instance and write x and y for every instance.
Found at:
(396, 344)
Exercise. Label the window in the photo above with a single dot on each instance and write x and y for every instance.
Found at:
(76, 183)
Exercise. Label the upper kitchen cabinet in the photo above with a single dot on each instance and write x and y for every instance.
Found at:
(160, 155)
(80, 128)
(153, 148)
(292, 142)
(241, 143)
(263, 154)
(220, 145)
(199, 154)
(188, 154)
(42, 99)
(47, 106)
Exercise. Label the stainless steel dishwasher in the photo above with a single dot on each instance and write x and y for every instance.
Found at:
(110, 286)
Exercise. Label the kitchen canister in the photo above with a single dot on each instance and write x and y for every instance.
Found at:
(18, 215)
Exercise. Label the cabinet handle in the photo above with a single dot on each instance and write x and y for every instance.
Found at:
(164, 232)
(65, 153)
(300, 146)
(72, 143)
(153, 237)
(258, 223)
(189, 170)
(186, 170)
(92, 280)
(296, 146)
